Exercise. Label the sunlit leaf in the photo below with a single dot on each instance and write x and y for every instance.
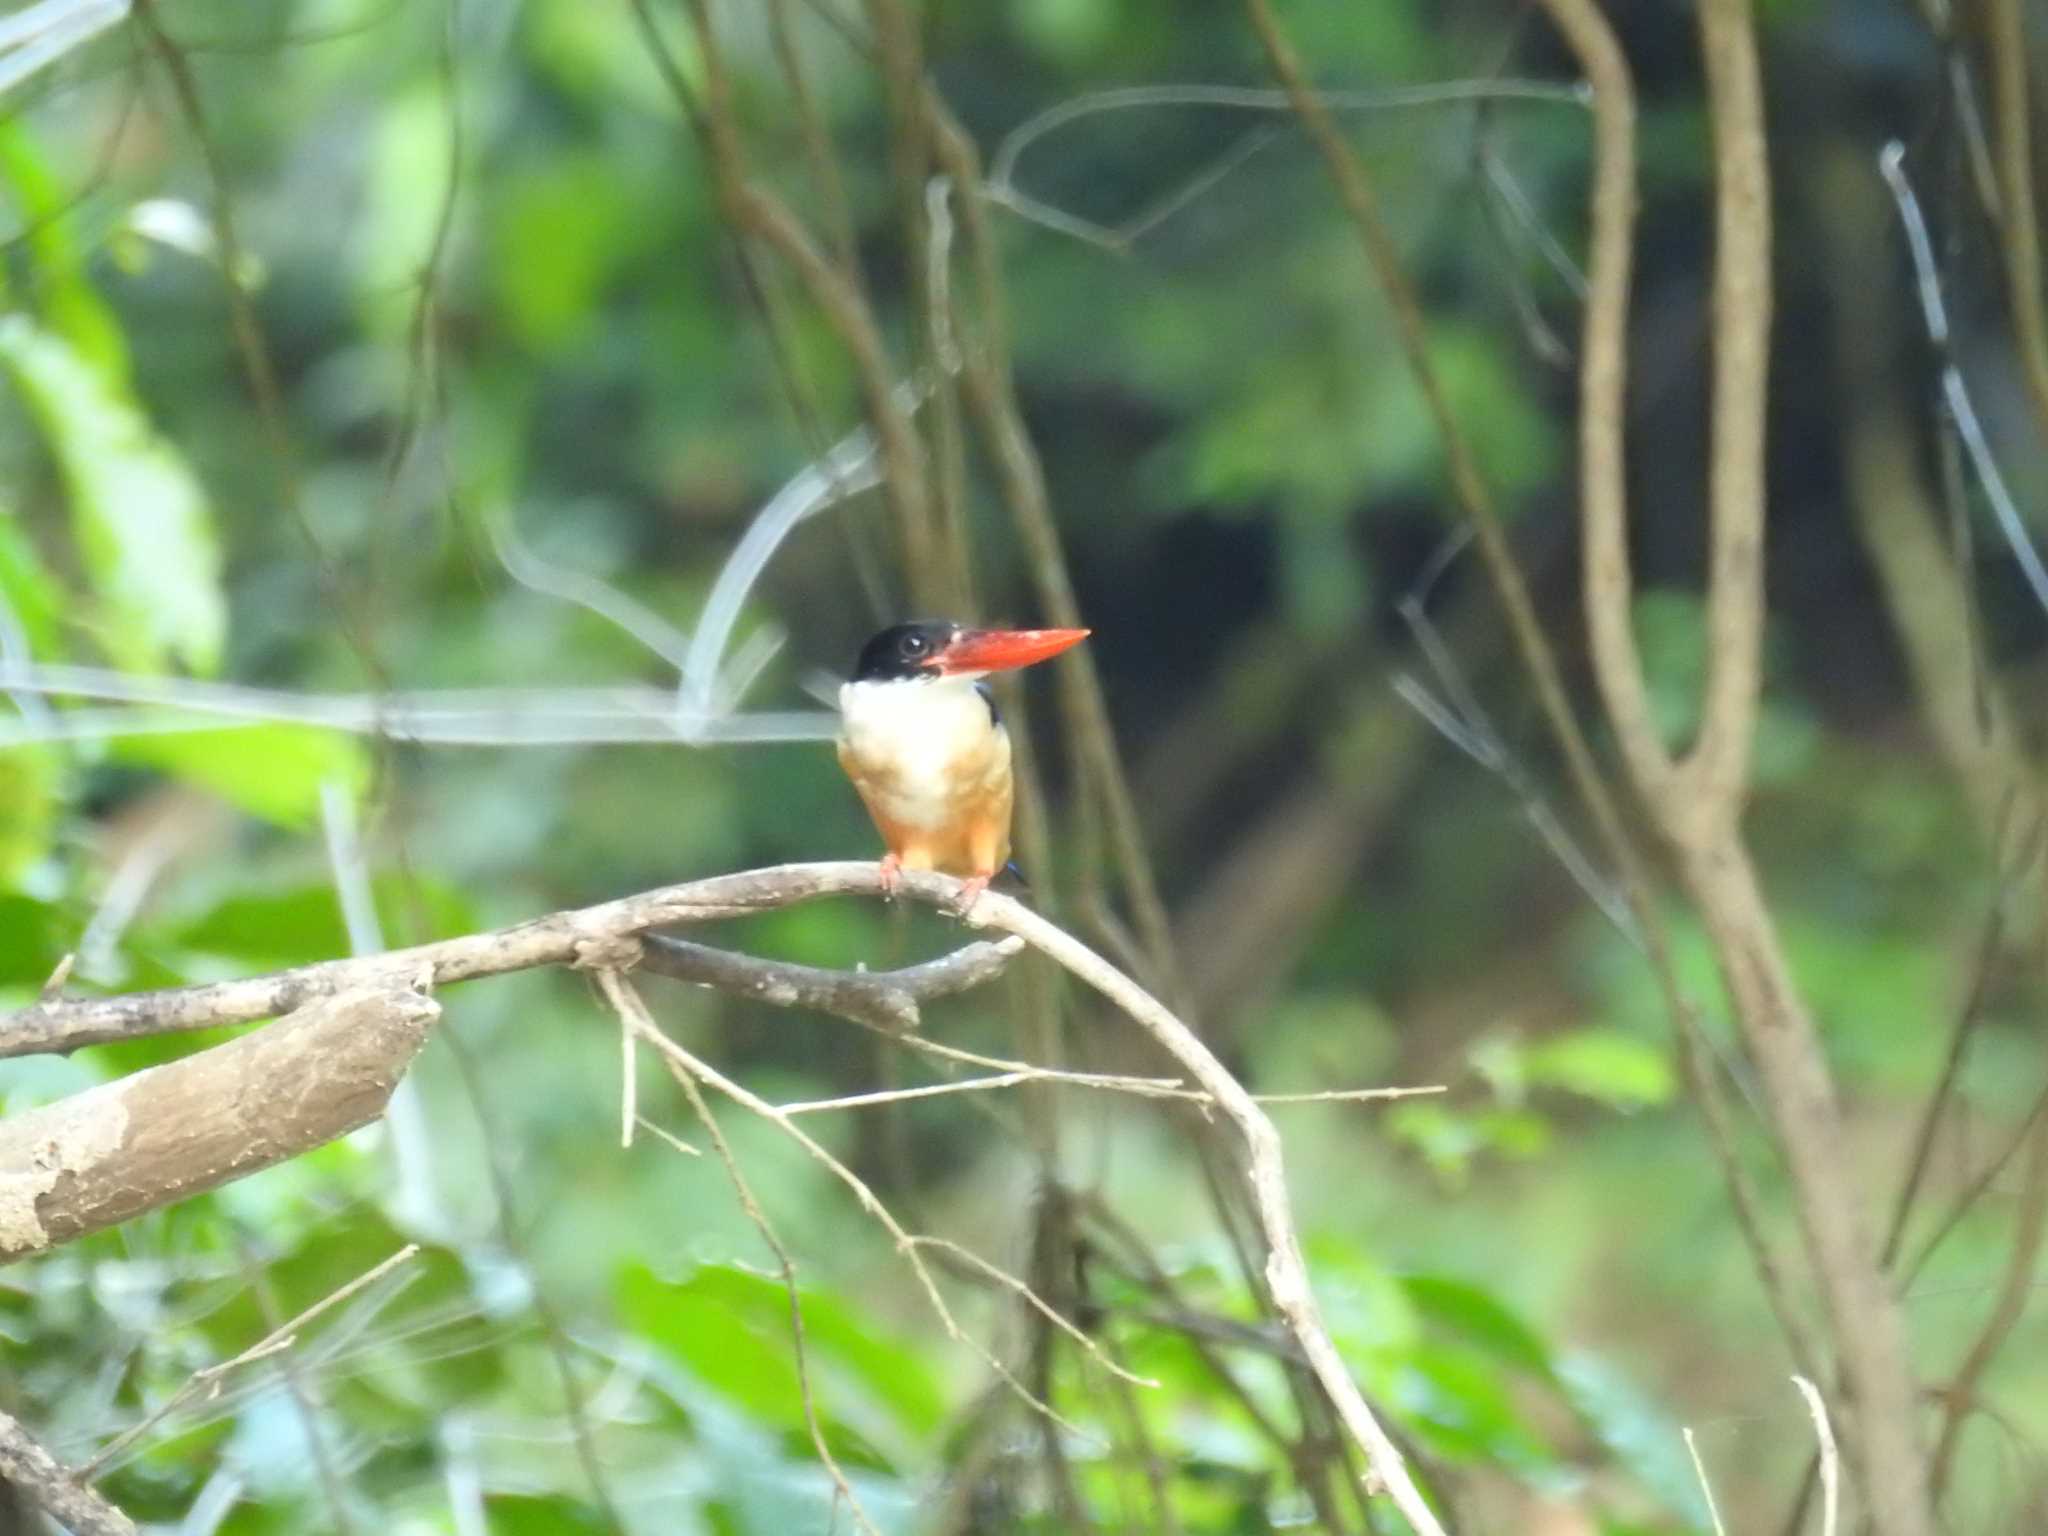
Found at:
(261, 927)
(1618, 1069)
(69, 305)
(143, 524)
(515, 1514)
(29, 778)
(894, 1373)
(564, 233)
(731, 1327)
(271, 771)
(30, 942)
(28, 590)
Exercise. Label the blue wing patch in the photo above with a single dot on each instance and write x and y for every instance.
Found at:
(988, 697)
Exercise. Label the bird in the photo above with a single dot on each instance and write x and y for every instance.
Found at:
(922, 741)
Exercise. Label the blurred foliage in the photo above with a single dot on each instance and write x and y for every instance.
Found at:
(484, 254)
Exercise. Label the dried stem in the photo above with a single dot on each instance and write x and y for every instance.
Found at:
(636, 1023)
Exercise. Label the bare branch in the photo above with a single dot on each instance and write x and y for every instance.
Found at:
(886, 999)
(683, 1064)
(1830, 1458)
(1717, 769)
(1699, 1468)
(58, 1491)
(110, 1153)
(596, 936)
(1286, 1271)
(634, 1022)
(65, 1024)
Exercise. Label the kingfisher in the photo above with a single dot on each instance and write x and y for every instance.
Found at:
(921, 740)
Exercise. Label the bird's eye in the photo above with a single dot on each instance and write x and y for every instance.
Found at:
(915, 645)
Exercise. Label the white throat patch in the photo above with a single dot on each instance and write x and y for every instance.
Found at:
(915, 739)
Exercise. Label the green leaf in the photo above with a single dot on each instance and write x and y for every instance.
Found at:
(65, 297)
(28, 590)
(518, 1514)
(730, 1326)
(1479, 1318)
(271, 771)
(1462, 1407)
(1641, 1436)
(30, 941)
(29, 779)
(294, 925)
(1369, 1313)
(723, 1349)
(1604, 1064)
(564, 233)
(143, 523)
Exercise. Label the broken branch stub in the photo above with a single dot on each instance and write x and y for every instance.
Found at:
(113, 1152)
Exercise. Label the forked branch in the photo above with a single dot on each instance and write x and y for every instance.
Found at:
(609, 936)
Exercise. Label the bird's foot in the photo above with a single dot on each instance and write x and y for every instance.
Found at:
(891, 872)
(970, 892)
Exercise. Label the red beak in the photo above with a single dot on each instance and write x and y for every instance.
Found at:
(997, 650)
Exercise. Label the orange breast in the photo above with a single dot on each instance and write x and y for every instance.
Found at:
(964, 832)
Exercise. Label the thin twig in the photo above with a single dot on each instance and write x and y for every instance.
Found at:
(1974, 1190)
(305, 1401)
(1001, 186)
(2013, 1295)
(683, 1062)
(206, 1382)
(634, 1020)
(1137, 1087)
(1830, 1457)
(1033, 1300)
(1692, 1449)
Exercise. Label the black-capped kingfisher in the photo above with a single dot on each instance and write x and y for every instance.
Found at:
(921, 740)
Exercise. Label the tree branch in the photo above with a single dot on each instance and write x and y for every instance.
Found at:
(126, 1147)
(55, 1153)
(1716, 772)
(51, 1485)
(885, 999)
(65, 1024)
(1603, 390)
(1698, 805)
